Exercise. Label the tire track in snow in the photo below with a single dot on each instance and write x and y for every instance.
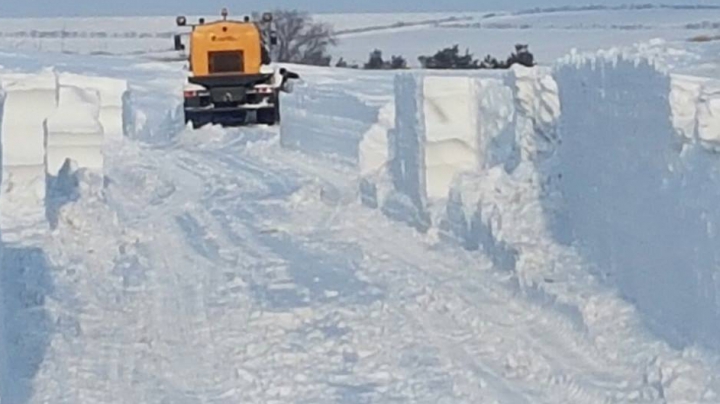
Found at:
(580, 365)
(238, 163)
(583, 362)
(199, 220)
(182, 352)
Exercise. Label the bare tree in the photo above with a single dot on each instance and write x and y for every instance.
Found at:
(300, 39)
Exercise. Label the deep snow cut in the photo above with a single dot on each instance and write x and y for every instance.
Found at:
(597, 150)
(215, 264)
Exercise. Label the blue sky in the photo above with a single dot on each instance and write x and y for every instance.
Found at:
(45, 8)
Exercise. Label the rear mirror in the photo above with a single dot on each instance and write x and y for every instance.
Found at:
(181, 21)
(267, 17)
(273, 39)
(179, 46)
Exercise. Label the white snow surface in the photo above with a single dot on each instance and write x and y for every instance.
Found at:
(73, 131)
(569, 260)
(28, 100)
(114, 101)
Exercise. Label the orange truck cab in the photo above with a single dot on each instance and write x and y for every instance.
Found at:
(231, 80)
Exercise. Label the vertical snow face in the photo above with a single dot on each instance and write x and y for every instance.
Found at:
(435, 136)
(115, 113)
(641, 187)
(708, 115)
(44, 123)
(695, 107)
(684, 102)
(375, 158)
(407, 140)
(451, 142)
(497, 206)
(495, 120)
(537, 105)
(449, 128)
(3, 342)
(325, 120)
(74, 131)
(29, 99)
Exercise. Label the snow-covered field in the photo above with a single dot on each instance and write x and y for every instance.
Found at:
(538, 235)
(410, 35)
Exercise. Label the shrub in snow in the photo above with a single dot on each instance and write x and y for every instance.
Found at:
(398, 62)
(376, 62)
(449, 58)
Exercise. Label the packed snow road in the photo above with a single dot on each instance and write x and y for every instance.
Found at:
(251, 279)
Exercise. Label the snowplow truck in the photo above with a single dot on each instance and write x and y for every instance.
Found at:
(231, 81)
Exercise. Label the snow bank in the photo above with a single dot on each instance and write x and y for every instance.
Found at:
(451, 142)
(3, 331)
(641, 186)
(708, 114)
(29, 99)
(326, 121)
(74, 131)
(115, 101)
(451, 126)
(607, 165)
(45, 121)
(609, 157)
(375, 157)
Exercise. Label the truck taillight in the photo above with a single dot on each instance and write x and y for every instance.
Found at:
(190, 94)
(264, 90)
